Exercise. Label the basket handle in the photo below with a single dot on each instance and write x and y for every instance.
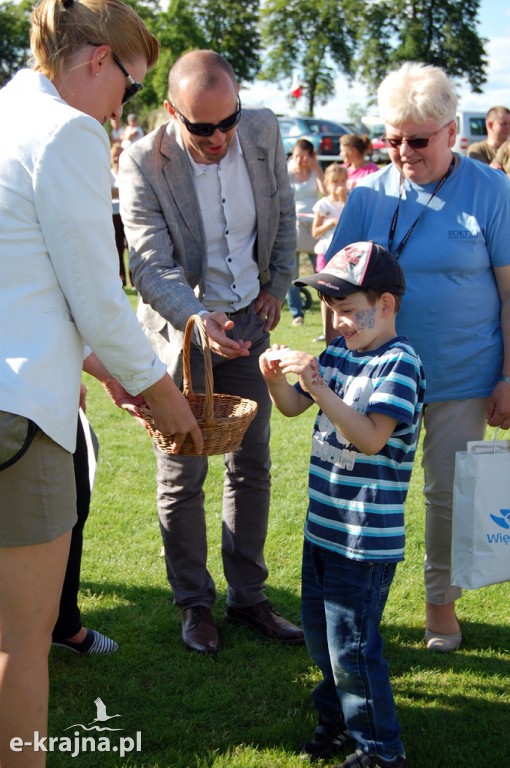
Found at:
(196, 320)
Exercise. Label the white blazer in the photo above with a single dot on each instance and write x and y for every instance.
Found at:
(59, 280)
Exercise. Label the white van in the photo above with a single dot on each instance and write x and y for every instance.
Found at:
(470, 128)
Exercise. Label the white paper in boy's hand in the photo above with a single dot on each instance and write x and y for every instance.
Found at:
(278, 354)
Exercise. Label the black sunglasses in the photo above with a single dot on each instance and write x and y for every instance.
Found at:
(420, 143)
(133, 88)
(207, 129)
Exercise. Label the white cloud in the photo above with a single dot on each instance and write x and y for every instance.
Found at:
(494, 16)
(496, 90)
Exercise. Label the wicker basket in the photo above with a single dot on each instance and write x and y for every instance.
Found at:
(223, 419)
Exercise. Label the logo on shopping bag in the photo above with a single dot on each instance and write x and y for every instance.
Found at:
(503, 519)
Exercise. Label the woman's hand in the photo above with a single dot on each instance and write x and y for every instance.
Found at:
(172, 414)
(498, 406)
(122, 399)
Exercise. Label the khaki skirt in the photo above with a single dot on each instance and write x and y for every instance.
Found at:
(37, 495)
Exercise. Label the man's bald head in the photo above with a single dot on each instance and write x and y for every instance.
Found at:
(200, 71)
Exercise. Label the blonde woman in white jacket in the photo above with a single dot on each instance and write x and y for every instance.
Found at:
(60, 288)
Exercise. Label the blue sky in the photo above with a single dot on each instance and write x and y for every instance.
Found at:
(494, 19)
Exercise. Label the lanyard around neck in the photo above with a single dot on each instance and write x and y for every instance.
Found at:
(393, 225)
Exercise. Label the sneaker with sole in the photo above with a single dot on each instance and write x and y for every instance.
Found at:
(360, 759)
(328, 740)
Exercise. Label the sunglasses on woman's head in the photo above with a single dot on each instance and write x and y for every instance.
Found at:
(207, 129)
(418, 143)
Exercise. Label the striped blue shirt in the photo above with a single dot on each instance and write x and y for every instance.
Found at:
(356, 502)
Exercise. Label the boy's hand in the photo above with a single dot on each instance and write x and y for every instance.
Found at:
(275, 363)
(270, 360)
(307, 368)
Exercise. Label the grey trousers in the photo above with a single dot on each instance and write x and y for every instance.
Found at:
(448, 427)
(246, 489)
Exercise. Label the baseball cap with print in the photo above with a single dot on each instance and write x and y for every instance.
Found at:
(356, 267)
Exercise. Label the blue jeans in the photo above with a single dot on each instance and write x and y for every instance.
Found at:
(294, 300)
(342, 605)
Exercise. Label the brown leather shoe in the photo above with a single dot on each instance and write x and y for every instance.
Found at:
(265, 619)
(199, 630)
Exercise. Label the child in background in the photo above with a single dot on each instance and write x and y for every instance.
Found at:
(369, 387)
(354, 150)
(132, 132)
(327, 210)
(305, 176)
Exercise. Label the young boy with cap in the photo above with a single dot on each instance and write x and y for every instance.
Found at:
(369, 386)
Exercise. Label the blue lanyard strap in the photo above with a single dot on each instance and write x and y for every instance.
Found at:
(393, 225)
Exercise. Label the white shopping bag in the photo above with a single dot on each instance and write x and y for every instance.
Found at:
(481, 515)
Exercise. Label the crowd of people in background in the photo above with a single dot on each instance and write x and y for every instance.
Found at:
(497, 123)
(121, 137)
(306, 179)
(495, 150)
(319, 206)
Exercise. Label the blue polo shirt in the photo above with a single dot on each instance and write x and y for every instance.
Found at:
(451, 310)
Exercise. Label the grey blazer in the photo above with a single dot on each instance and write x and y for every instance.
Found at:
(165, 231)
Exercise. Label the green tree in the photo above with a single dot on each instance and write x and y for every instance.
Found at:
(314, 38)
(14, 38)
(355, 113)
(439, 32)
(232, 30)
(178, 31)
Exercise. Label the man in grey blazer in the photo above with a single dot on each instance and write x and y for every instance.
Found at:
(209, 216)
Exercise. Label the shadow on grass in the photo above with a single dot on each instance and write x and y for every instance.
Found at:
(185, 704)
(251, 704)
(454, 707)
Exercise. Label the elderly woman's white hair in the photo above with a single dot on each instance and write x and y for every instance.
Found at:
(417, 93)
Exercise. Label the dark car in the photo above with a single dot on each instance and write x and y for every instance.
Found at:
(324, 135)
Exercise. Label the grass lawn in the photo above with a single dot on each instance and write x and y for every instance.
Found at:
(250, 706)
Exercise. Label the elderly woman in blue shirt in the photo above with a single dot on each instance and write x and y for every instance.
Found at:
(447, 218)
